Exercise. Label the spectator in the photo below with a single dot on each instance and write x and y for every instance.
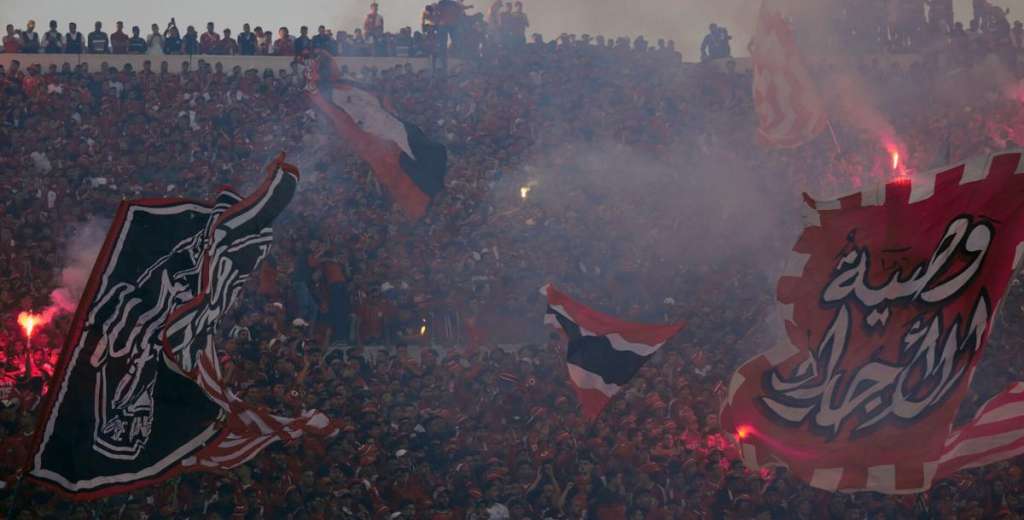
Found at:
(73, 40)
(265, 42)
(30, 38)
(155, 41)
(190, 42)
(53, 40)
(302, 43)
(323, 41)
(136, 45)
(373, 24)
(119, 40)
(515, 24)
(227, 44)
(172, 40)
(99, 43)
(12, 41)
(284, 45)
(208, 41)
(247, 41)
(494, 15)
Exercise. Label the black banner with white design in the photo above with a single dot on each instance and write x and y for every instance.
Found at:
(125, 408)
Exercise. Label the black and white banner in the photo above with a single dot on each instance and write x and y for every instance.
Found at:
(130, 399)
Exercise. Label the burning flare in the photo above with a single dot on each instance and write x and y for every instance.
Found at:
(29, 321)
(895, 160)
(524, 191)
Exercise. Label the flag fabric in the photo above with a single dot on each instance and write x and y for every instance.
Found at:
(409, 165)
(888, 300)
(138, 388)
(789, 107)
(604, 352)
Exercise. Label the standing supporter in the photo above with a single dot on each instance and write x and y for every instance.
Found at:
(246, 41)
(119, 40)
(302, 42)
(12, 42)
(515, 24)
(136, 44)
(99, 43)
(323, 41)
(285, 44)
(155, 41)
(265, 46)
(190, 42)
(172, 40)
(208, 41)
(73, 40)
(53, 41)
(373, 24)
(30, 38)
(227, 45)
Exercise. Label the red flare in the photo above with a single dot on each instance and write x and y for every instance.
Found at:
(895, 160)
(30, 321)
(744, 431)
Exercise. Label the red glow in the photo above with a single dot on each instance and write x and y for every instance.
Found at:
(29, 321)
(895, 160)
(744, 431)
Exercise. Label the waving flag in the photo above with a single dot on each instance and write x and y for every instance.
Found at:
(888, 300)
(138, 388)
(604, 352)
(408, 164)
(789, 107)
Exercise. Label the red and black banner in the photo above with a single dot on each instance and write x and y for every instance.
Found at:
(888, 301)
(138, 387)
(604, 352)
(409, 165)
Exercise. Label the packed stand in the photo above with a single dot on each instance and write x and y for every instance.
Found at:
(469, 430)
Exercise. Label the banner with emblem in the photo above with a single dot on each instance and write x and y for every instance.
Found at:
(888, 300)
(138, 390)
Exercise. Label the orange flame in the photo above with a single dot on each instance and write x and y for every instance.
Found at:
(744, 431)
(895, 160)
(29, 320)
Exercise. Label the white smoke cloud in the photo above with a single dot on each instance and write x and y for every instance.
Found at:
(81, 254)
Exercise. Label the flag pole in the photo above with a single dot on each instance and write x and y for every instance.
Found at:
(832, 131)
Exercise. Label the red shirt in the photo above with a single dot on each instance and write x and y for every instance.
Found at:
(119, 43)
(208, 42)
(11, 44)
(284, 47)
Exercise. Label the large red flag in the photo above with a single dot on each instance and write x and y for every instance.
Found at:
(789, 107)
(888, 300)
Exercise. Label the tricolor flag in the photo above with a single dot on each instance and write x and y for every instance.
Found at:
(888, 300)
(789, 107)
(138, 391)
(406, 162)
(604, 352)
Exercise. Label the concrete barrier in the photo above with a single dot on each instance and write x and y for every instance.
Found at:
(175, 61)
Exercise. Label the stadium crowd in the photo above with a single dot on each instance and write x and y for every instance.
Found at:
(470, 430)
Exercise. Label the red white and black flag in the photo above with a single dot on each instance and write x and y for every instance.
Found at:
(138, 388)
(888, 300)
(409, 165)
(604, 352)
